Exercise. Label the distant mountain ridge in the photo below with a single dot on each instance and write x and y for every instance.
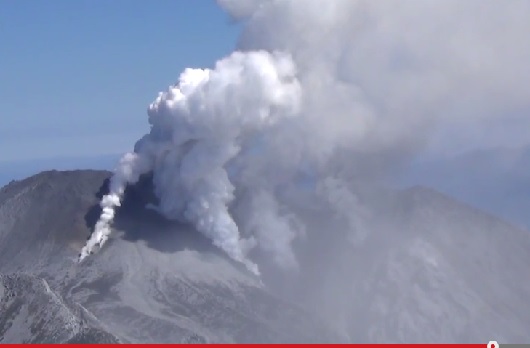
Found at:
(496, 180)
(18, 170)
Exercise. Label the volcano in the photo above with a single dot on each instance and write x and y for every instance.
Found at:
(159, 283)
(431, 270)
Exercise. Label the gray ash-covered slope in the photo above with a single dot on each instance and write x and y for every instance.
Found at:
(430, 269)
(155, 281)
(32, 313)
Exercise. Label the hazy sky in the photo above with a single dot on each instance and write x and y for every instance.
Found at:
(77, 76)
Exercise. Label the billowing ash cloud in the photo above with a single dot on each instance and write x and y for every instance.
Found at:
(320, 95)
(198, 127)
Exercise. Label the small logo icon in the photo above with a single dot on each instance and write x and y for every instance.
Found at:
(493, 344)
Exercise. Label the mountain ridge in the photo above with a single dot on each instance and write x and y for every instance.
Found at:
(198, 299)
(430, 270)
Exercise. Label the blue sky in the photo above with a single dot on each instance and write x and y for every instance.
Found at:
(77, 76)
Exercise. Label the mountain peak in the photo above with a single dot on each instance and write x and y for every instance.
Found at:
(155, 280)
(427, 271)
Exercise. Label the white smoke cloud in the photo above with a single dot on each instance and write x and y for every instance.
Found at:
(316, 86)
(346, 206)
(129, 170)
(269, 227)
(197, 127)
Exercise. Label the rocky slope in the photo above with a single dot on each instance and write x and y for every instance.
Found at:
(156, 281)
(429, 269)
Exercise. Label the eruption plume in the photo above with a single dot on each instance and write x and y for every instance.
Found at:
(198, 126)
(129, 170)
(318, 95)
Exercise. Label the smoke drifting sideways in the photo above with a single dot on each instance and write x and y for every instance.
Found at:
(314, 92)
